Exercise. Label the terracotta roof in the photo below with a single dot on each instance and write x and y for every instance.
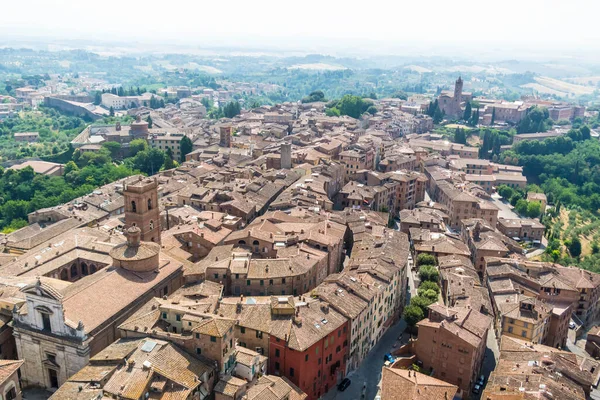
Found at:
(411, 385)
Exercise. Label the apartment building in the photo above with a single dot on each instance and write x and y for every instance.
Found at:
(522, 228)
(312, 352)
(540, 372)
(485, 241)
(463, 205)
(140, 368)
(452, 343)
(356, 160)
(27, 137)
(168, 141)
(472, 166)
(531, 300)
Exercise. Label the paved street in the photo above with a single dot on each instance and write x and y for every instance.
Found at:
(492, 353)
(369, 371)
(506, 210)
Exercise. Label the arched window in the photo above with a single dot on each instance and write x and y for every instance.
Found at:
(93, 268)
(255, 243)
(84, 269)
(74, 272)
(64, 275)
(149, 204)
(241, 242)
(133, 206)
(151, 224)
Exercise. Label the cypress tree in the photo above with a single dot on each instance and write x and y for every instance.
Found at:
(467, 113)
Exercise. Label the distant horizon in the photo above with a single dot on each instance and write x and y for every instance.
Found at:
(338, 48)
(463, 28)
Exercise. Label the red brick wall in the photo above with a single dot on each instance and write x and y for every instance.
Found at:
(312, 370)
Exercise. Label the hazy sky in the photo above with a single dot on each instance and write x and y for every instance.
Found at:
(506, 23)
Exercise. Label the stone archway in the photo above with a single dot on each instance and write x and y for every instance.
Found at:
(64, 274)
(93, 268)
(84, 269)
(74, 271)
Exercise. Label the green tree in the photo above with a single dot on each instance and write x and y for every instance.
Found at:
(315, 96)
(421, 302)
(372, 110)
(168, 163)
(98, 98)
(426, 259)
(574, 247)
(149, 161)
(468, 111)
(149, 120)
(412, 315)
(493, 116)
(460, 136)
(70, 167)
(521, 207)
(113, 147)
(429, 273)
(428, 285)
(111, 111)
(137, 145)
(505, 191)
(186, 147)
(534, 209)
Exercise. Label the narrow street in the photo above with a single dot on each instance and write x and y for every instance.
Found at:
(506, 210)
(369, 371)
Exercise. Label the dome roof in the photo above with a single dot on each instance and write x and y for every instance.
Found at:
(135, 255)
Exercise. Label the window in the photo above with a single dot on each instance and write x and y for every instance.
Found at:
(11, 394)
(282, 280)
(259, 335)
(133, 206)
(51, 357)
(216, 276)
(262, 283)
(248, 282)
(242, 330)
(164, 315)
(276, 352)
(198, 350)
(46, 325)
(197, 336)
(524, 333)
(510, 329)
(271, 282)
(149, 204)
(276, 367)
(292, 372)
(213, 339)
(178, 317)
(306, 358)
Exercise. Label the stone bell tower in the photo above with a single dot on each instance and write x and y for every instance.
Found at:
(141, 207)
(458, 88)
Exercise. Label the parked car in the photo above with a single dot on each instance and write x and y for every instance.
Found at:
(388, 357)
(481, 381)
(572, 325)
(344, 384)
(476, 389)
